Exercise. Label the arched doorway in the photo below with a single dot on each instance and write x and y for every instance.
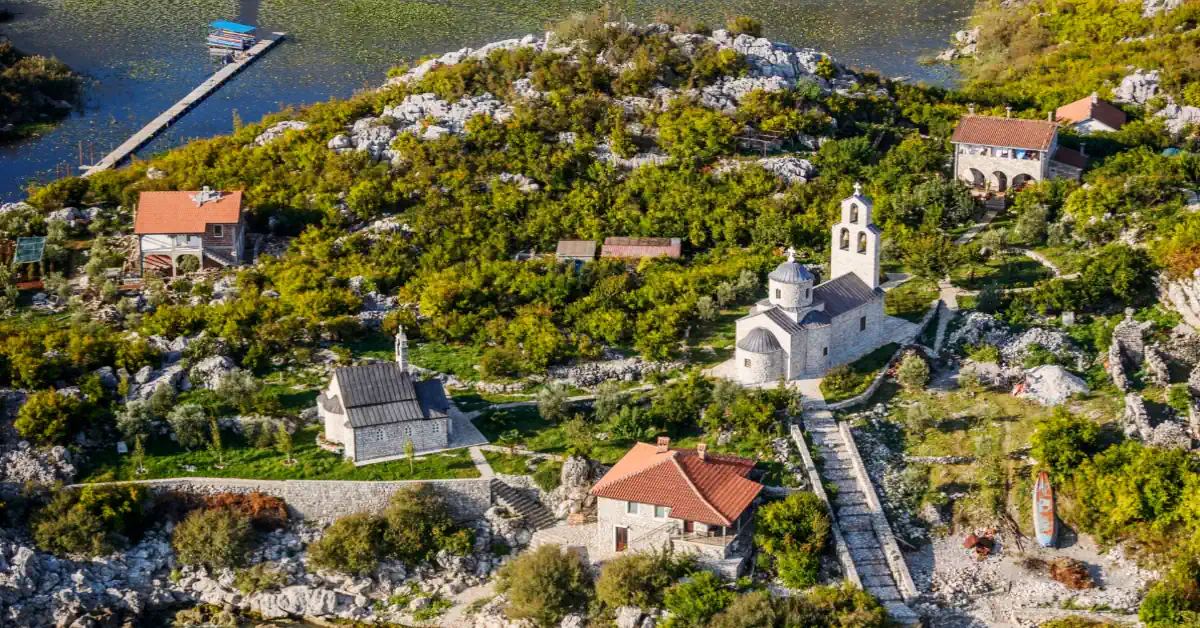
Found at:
(186, 264)
(1020, 181)
(978, 180)
(999, 181)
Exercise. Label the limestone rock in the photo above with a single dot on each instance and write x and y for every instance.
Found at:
(277, 130)
(1050, 385)
(208, 371)
(1136, 421)
(1151, 8)
(1179, 117)
(629, 617)
(44, 467)
(1137, 88)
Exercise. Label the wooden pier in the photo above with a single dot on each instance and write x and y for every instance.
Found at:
(168, 117)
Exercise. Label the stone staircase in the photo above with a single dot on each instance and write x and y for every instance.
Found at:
(538, 516)
(863, 524)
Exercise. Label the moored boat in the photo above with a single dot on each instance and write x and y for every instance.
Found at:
(1045, 524)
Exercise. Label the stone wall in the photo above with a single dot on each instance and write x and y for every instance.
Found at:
(388, 440)
(848, 342)
(1009, 166)
(879, 377)
(325, 500)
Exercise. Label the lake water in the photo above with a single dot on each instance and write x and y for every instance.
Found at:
(140, 56)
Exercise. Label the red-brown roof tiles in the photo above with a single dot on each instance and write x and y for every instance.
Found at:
(1005, 132)
(1070, 157)
(1093, 108)
(176, 212)
(713, 491)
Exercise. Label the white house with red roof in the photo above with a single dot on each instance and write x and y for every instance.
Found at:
(207, 225)
(1091, 114)
(694, 500)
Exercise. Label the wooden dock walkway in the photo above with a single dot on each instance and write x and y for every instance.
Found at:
(168, 117)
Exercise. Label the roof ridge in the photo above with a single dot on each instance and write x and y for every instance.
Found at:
(670, 456)
(686, 478)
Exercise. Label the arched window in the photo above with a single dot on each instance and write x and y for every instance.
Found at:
(778, 293)
(806, 292)
(854, 213)
(862, 242)
(845, 240)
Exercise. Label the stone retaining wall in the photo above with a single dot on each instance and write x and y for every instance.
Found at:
(326, 500)
(878, 381)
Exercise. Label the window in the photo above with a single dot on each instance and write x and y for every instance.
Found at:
(825, 351)
(778, 293)
(372, 435)
(746, 363)
(806, 292)
(181, 240)
(218, 231)
(408, 430)
(436, 427)
(862, 324)
(660, 512)
(631, 508)
(854, 213)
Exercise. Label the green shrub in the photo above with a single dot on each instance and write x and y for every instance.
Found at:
(549, 475)
(190, 425)
(744, 25)
(695, 602)
(794, 531)
(1064, 441)
(1175, 601)
(214, 538)
(983, 352)
(47, 417)
(639, 579)
(353, 544)
(418, 526)
(913, 372)
(93, 520)
(544, 585)
(258, 578)
(839, 605)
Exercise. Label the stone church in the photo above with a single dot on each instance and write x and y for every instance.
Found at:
(801, 330)
(373, 410)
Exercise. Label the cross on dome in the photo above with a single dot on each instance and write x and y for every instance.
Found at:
(791, 253)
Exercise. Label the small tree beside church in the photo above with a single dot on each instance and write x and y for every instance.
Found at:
(913, 373)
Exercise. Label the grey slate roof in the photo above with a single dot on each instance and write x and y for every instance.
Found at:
(844, 294)
(382, 392)
(783, 320)
(759, 340)
(816, 318)
(790, 272)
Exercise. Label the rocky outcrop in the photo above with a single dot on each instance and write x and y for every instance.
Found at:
(591, 374)
(1050, 385)
(207, 372)
(277, 130)
(571, 496)
(789, 169)
(1151, 8)
(509, 526)
(1184, 296)
(990, 374)
(966, 44)
(1178, 117)
(1137, 88)
(26, 464)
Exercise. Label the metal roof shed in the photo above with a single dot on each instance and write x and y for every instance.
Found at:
(233, 27)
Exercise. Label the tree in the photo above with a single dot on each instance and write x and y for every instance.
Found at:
(1063, 441)
(695, 135)
(353, 544)
(544, 585)
(418, 526)
(913, 372)
(793, 531)
(139, 455)
(609, 399)
(705, 309)
(553, 402)
(215, 444)
(1118, 272)
(134, 420)
(410, 452)
(510, 439)
(93, 520)
(48, 417)
(189, 425)
(695, 602)
(239, 388)
(931, 254)
(284, 442)
(639, 579)
(744, 25)
(580, 440)
(215, 538)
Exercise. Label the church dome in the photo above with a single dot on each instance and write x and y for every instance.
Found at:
(791, 272)
(759, 340)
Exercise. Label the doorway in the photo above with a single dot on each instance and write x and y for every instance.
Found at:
(622, 535)
(689, 526)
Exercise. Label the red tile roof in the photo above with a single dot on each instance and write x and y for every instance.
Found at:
(1092, 107)
(1072, 158)
(641, 247)
(713, 491)
(176, 212)
(1005, 132)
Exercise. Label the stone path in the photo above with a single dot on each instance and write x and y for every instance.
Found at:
(859, 515)
(978, 227)
(481, 463)
(948, 293)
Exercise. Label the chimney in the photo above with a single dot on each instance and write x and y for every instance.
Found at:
(971, 108)
(1095, 98)
(1007, 112)
(702, 451)
(1050, 116)
(402, 349)
(664, 444)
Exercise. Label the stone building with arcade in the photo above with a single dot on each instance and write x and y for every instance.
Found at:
(993, 154)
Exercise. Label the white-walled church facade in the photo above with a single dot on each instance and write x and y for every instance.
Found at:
(802, 330)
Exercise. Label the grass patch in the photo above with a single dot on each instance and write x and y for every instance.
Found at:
(712, 342)
(849, 380)
(967, 301)
(457, 360)
(166, 459)
(1010, 271)
(540, 435)
(507, 464)
(1068, 259)
(911, 299)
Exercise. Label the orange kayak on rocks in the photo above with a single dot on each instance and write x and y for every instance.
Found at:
(1045, 524)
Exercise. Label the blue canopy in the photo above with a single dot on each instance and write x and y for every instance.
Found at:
(232, 27)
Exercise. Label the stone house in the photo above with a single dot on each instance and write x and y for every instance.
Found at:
(694, 501)
(1090, 114)
(374, 409)
(995, 154)
(801, 329)
(206, 225)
